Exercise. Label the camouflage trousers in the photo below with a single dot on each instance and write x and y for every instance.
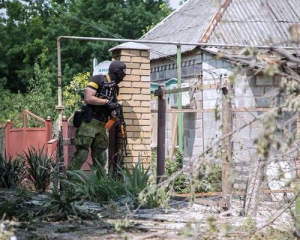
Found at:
(90, 135)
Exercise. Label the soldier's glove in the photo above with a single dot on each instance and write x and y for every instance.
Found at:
(111, 106)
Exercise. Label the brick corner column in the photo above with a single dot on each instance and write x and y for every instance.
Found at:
(135, 97)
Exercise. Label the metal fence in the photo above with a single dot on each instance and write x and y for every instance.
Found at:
(2, 140)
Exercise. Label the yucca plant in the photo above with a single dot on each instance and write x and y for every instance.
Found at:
(11, 172)
(40, 168)
(94, 185)
(64, 205)
(136, 180)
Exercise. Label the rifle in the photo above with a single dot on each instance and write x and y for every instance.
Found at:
(111, 91)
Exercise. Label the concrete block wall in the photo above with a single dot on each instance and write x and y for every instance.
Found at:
(250, 92)
(135, 98)
(214, 72)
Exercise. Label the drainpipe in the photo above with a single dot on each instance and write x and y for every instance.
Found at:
(179, 100)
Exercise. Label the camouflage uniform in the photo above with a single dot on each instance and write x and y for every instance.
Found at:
(92, 132)
(90, 135)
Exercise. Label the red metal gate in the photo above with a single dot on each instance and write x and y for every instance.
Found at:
(20, 136)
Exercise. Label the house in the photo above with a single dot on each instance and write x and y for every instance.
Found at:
(236, 38)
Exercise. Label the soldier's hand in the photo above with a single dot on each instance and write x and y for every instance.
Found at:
(111, 105)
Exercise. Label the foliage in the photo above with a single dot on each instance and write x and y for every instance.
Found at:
(64, 205)
(209, 177)
(11, 105)
(180, 183)
(25, 28)
(164, 11)
(29, 31)
(155, 196)
(99, 186)
(73, 93)
(39, 98)
(11, 172)
(40, 169)
(135, 180)
(93, 185)
(28, 49)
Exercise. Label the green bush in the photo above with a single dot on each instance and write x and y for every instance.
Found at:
(180, 183)
(209, 177)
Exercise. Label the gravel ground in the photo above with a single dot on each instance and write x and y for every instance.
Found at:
(181, 220)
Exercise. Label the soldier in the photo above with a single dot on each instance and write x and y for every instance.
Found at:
(98, 109)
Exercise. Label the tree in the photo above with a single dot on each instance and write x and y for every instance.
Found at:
(29, 31)
(38, 98)
(23, 42)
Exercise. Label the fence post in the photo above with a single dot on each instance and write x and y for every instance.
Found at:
(48, 124)
(226, 145)
(7, 138)
(161, 132)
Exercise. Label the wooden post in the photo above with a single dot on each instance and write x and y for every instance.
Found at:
(161, 132)
(48, 125)
(226, 146)
(297, 182)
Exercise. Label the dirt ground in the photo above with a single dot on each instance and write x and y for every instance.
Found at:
(181, 220)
